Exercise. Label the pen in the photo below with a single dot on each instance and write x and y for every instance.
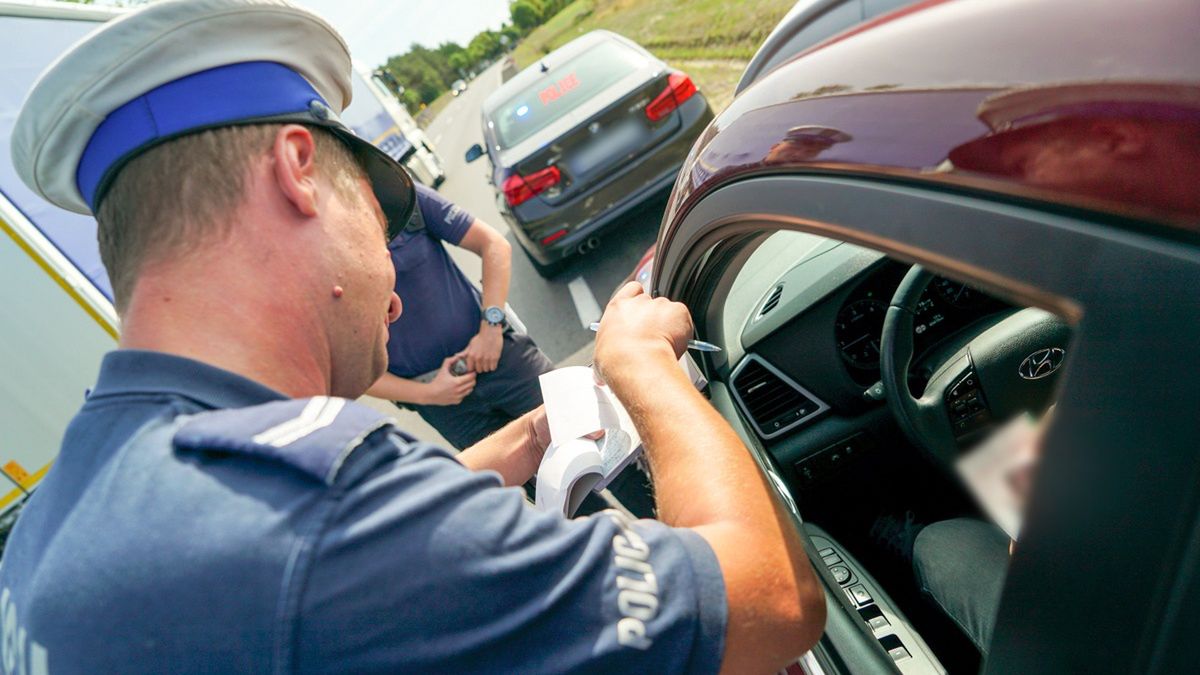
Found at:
(698, 345)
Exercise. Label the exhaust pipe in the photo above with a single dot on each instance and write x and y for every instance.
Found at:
(590, 245)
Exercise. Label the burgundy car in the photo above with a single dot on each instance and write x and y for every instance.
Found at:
(943, 220)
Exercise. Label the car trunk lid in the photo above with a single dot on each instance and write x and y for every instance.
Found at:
(607, 132)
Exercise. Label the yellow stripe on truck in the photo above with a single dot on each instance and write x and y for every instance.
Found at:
(36, 477)
(58, 278)
(394, 129)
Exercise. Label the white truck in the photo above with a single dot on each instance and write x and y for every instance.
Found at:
(389, 126)
(58, 318)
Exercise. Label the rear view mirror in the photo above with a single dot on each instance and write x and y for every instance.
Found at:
(474, 152)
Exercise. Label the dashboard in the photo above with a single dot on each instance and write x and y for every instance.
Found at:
(946, 307)
(810, 349)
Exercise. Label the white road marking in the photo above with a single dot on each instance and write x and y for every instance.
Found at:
(437, 140)
(585, 303)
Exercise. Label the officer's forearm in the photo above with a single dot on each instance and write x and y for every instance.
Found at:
(705, 479)
(513, 451)
(702, 472)
(394, 388)
(497, 272)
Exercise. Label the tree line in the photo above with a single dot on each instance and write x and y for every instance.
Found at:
(425, 73)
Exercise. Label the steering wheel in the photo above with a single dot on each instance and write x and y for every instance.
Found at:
(1003, 369)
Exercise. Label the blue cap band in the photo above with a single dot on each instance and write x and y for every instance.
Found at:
(224, 95)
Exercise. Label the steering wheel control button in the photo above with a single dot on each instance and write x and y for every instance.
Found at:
(966, 387)
(967, 408)
(860, 595)
(841, 574)
(976, 421)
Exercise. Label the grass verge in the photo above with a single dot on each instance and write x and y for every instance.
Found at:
(711, 40)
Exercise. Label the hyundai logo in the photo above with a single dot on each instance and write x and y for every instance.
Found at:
(1042, 363)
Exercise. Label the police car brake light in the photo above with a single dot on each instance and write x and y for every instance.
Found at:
(518, 189)
(679, 89)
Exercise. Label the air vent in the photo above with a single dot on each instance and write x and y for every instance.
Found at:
(772, 401)
(772, 301)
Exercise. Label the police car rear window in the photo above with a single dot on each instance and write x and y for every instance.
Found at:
(561, 90)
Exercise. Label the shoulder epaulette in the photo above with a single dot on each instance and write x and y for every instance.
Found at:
(314, 435)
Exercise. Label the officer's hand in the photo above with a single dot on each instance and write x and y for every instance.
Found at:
(537, 433)
(539, 430)
(636, 327)
(483, 351)
(447, 388)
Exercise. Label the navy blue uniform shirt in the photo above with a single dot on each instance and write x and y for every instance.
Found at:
(441, 307)
(196, 521)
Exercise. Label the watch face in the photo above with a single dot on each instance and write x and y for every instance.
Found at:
(493, 315)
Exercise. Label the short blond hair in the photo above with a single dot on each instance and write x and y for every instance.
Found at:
(182, 193)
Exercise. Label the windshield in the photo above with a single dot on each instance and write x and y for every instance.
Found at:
(561, 90)
(370, 119)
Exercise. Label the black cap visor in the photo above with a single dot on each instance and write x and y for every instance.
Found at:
(390, 182)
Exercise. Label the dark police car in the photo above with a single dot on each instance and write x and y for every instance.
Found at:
(578, 139)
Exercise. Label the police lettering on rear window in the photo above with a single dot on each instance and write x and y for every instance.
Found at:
(556, 90)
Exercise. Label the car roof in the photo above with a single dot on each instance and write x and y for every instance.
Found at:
(533, 73)
(940, 92)
(780, 44)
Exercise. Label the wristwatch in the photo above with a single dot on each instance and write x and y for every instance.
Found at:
(495, 316)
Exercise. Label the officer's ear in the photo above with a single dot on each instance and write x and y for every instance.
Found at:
(294, 158)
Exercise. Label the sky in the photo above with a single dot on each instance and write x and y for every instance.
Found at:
(378, 29)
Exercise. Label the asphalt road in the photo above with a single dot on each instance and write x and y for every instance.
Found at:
(555, 311)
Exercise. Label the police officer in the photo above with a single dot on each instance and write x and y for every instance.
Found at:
(217, 506)
(448, 320)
